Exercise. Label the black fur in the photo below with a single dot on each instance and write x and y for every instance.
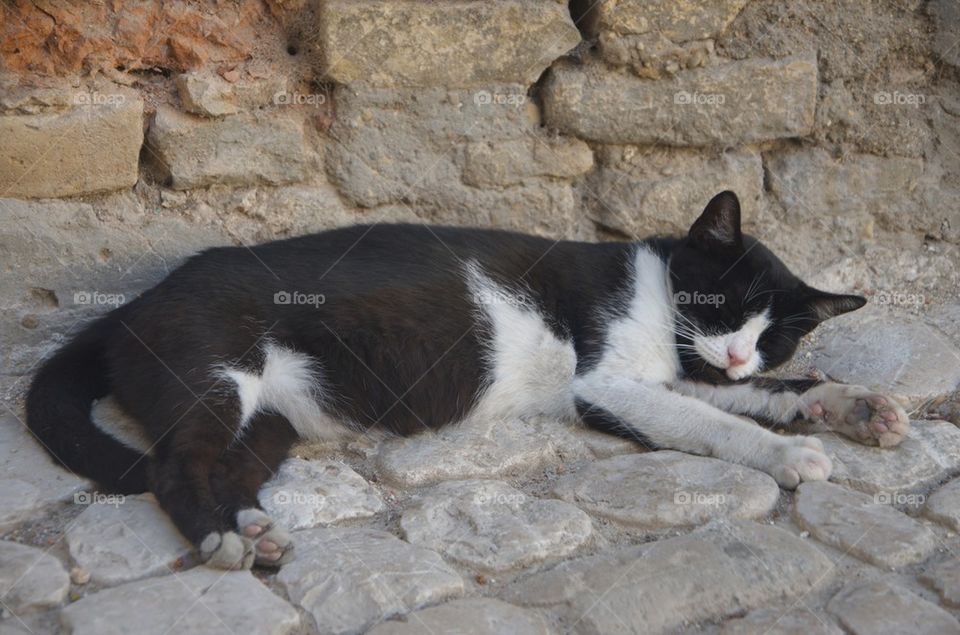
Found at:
(397, 340)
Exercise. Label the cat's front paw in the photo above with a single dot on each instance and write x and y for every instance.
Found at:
(797, 460)
(858, 412)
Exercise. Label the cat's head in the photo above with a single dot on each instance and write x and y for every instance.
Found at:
(739, 310)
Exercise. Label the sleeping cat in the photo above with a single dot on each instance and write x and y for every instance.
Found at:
(403, 328)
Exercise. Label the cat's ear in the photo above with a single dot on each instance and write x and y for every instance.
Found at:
(718, 228)
(825, 305)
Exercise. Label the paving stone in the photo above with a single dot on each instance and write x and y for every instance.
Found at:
(880, 608)
(644, 191)
(724, 105)
(124, 538)
(944, 577)
(668, 489)
(943, 505)
(926, 365)
(490, 449)
(858, 524)
(82, 143)
(472, 616)
(928, 455)
(425, 43)
(202, 601)
(678, 21)
(946, 15)
(492, 527)
(13, 627)
(29, 480)
(722, 570)
(30, 578)
(946, 317)
(244, 149)
(307, 494)
(789, 621)
(350, 579)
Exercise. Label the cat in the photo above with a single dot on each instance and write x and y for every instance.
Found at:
(241, 351)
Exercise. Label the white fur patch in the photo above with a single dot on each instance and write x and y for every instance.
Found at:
(289, 384)
(742, 343)
(641, 345)
(531, 368)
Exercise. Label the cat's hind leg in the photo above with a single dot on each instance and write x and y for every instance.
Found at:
(239, 475)
(180, 477)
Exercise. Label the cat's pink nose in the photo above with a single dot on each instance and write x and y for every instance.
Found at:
(735, 359)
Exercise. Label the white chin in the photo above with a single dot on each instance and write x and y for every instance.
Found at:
(738, 373)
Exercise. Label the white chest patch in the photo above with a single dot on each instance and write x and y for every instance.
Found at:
(642, 344)
(531, 368)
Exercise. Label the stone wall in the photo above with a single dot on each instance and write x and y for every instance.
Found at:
(135, 133)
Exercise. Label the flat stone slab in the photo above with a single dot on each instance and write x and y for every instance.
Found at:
(697, 20)
(30, 578)
(350, 579)
(307, 494)
(722, 570)
(491, 449)
(104, 131)
(880, 608)
(928, 455)
(203, 601)
(727, 104)
(423, 43)
(473, 616)
(243, 149)
(790, 621)
(943, 505)
(862, 525)
(644, 191)
(124, 540)
(926, 363)
(668, 489)
(29, 479)
(944, 578)
(492, 527)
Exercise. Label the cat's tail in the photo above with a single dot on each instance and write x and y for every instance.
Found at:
(58, 413)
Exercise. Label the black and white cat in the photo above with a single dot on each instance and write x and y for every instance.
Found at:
(240, 351)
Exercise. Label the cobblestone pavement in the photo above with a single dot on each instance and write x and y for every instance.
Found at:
(531, 527)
